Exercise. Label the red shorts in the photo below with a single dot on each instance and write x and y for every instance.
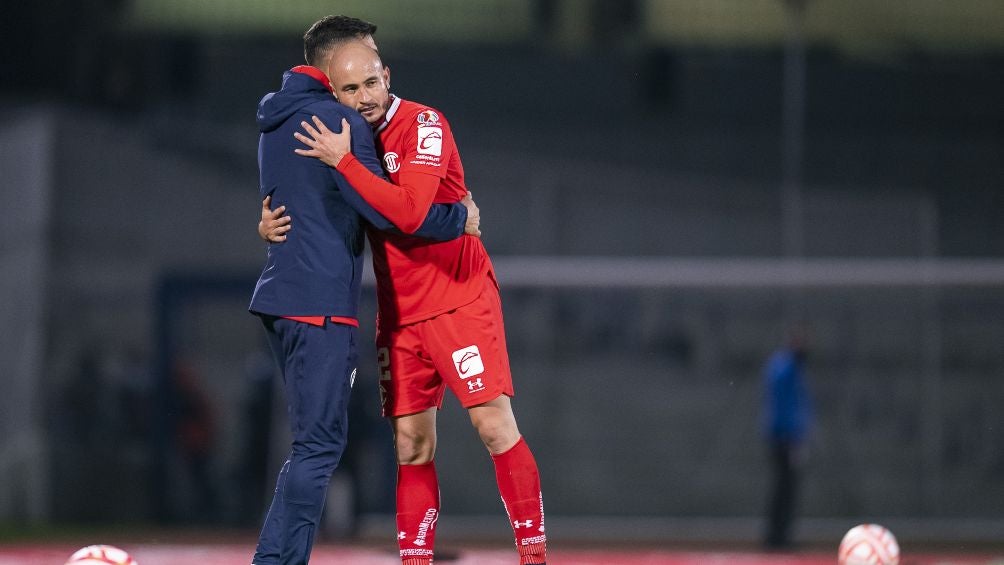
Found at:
(463, 349)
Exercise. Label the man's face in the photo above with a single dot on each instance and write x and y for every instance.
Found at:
(360, 80)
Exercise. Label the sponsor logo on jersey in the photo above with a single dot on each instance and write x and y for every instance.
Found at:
(391, 162)
(468, 362)
(430, 140)
(427, 117)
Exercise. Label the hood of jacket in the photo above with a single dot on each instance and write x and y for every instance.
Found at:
(301, 86)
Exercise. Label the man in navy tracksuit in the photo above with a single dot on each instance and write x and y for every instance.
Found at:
(308, 293)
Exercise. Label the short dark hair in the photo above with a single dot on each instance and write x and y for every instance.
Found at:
(330, 31)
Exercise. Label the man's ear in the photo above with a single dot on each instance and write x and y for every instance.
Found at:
(386, 76)
(326, 68)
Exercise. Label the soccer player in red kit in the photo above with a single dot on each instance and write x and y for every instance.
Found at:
(440, 315)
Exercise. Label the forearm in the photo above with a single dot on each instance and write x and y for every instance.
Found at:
(406, 206)
(444, 222)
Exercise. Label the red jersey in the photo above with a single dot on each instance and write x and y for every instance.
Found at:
(417, 279)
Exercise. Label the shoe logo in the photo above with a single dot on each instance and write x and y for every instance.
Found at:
(468, 362)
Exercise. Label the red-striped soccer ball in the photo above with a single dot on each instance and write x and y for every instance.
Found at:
(101, 555)
(869, 544)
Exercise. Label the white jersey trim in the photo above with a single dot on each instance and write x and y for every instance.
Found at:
(390, 113)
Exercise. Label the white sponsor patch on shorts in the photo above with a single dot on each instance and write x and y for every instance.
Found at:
(467, 362)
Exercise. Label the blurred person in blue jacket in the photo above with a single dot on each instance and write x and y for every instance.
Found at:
(787, 420)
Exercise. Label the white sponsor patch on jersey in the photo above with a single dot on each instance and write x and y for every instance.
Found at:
(467, 362)
(391, 162)
(430, 140)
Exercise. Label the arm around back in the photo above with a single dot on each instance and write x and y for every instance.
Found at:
(443, 222)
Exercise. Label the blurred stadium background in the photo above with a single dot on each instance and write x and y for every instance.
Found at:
(665, 186)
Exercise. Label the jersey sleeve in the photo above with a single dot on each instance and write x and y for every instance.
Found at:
(427, 146)
(442, 222)
(406, 205)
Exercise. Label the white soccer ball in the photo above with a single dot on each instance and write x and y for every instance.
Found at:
(869, 544)
(101, 555)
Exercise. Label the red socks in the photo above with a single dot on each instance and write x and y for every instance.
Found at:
(519, 485)
(417, 512)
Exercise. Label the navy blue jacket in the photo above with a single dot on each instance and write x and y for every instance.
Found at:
(317, 270)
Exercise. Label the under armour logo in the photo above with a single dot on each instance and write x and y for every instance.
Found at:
(475, 385)
(517, 524)
(401, 535)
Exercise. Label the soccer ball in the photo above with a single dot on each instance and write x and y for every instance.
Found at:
(869, 544)
(101, 555)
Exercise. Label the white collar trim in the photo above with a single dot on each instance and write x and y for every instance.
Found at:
(390, 113)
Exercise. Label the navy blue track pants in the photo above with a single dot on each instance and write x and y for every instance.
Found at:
(318, 364)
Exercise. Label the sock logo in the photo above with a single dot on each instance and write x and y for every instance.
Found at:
(468, 362)
(516, 524)
(428, 523)
(541, 497)
(533, 540)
